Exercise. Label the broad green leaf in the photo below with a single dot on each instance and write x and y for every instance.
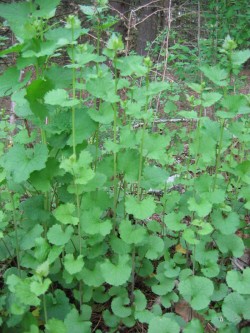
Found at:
(73, 265)
(57, 305)
(105, 114)
(190, 236)
(216, 74)
(93, 224)
(24, 293)
(65, 214)
(140, 301)
(210, 98)
(119, 308)
(29, 238)
(194, 325)
(103, 87)
(163, 325)
(131, 65)
(21, 161)
(56, 235)
(226, 225)
(197, 291)
(230, 243)
(140, 209)
(125, 166)
(116, 274)
(199, 205)
(154, 178)
(92, 277)
(59, 97)
(55, 326)
(40, 287)
(240, 57)
(75, 324)
(235, 308)
(35, 93)
(239, 281)
(9, 81)
(132, 234)
(174, 222)
(154, 248)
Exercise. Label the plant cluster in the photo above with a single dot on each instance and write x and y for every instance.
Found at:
(107, 223)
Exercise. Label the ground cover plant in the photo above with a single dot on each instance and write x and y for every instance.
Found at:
(111, 219)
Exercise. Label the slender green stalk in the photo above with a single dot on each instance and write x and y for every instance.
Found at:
(16, 234)
(218, 156)
(45, 309)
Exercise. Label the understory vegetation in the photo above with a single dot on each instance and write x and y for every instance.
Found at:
(124, 194)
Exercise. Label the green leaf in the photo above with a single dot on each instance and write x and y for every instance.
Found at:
(240, 57)
(230, 243)
(200, 205)
(194, 326)
(163, 325)
(103, 87)
(57, 305)
(56, 235)
(131, 65)
(190, 237)
(29, 238)
(118, 307)
(22, 162)
(73, 265)
(197, 291)
(59, 97)
(92, 223)
(216, 74)
(55, 326)
(105, 114)
(9, 81)
(132, 234)
(239, 281)
(40, 287)
(75, 324)
(65, 214)
(210, 98)
(92, 277)
(116, 274)
(140, 209)
(155, 247)
(235, 307)
(226, 225)
(140, 301)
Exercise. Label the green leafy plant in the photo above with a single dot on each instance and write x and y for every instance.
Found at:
(101, 215)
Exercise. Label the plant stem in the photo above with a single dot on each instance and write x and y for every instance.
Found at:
(16, 234)
(45, 309)
(218, 157)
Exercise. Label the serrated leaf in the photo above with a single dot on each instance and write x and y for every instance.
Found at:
(105, 114)
(40, 287)
(163, 325)
(131, 234)
(59, 97)
(155, 247)
(117, 274)
(140, 209)
(119, 308)
(73, 265)
(132, 65)
(240, 57)
(22, 162)
(55, 326)
(230, 243)
(197, 291)
(216, 74)
(65, 214)
(239, 281)
(210, 98)
(199, 205)
(92, 223)
(76, 324)
(56, 235)
(235, 307)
